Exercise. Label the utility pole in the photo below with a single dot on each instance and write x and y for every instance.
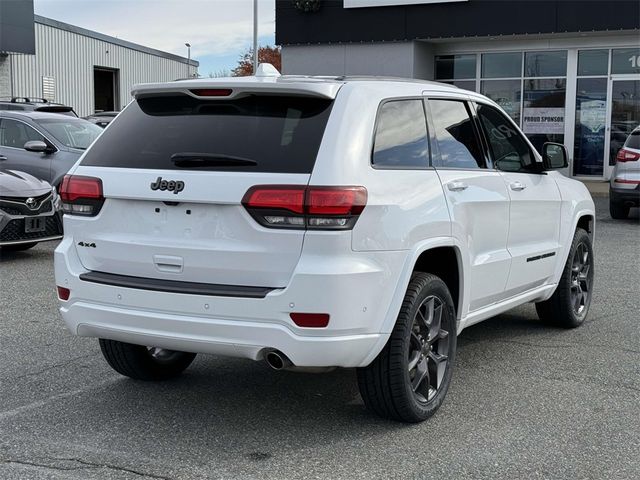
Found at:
(255, 36)
(188, 45)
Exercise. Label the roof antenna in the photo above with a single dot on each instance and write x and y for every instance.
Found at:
(267, 70)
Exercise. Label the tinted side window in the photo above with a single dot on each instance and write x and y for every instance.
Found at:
(401, 135)
(509, 150)
(456, 136)
(16, 134)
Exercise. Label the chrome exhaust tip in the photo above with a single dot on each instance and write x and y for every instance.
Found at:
(277, 360)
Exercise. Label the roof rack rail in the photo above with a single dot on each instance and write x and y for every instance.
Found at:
(29, 100)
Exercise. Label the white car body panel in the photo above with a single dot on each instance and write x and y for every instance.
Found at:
(358, 276)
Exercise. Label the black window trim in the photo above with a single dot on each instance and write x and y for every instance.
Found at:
(429, 164)
(467, 101)
(487, 146)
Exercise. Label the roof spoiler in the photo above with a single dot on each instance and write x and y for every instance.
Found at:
(267, 81)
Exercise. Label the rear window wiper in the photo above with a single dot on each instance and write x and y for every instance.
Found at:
(195, 159)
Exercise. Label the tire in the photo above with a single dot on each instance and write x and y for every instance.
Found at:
(144, 363)
(618, 211)
(18, 247)
(569, 305)
(387, 384)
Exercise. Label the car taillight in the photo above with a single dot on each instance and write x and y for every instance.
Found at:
(81, 195)
(317, 208)
(625, 155)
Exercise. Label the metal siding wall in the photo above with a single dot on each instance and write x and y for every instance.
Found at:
(70, 58)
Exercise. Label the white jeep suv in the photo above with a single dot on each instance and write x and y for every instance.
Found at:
(314, 223)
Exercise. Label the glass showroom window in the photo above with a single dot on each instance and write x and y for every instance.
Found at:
(544, 97)
(502, 81)
(591, 112)
(458, 70)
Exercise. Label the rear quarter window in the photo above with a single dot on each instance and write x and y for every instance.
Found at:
(401, 135)
(279, 134)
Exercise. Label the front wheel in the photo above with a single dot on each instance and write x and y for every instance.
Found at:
(410, 377)
(144, 363)
(569, 304)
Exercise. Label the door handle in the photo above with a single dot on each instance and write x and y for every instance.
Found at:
(457, 186)
(517, 186)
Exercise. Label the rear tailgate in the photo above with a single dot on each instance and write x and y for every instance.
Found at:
(174, 170)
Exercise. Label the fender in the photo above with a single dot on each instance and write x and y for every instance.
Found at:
(576, 203)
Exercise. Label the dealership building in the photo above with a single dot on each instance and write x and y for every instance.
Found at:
(565, 71)
(89, 71)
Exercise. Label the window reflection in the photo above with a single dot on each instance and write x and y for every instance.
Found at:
(455, 135)
(401, 135)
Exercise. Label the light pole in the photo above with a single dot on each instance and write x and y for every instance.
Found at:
(188, 45)
(255, 36)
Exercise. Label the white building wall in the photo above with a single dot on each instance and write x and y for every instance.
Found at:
(70, 57)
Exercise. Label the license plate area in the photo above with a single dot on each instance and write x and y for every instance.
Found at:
(34, 225)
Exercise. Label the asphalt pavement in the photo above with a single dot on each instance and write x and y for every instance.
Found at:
(527, 401)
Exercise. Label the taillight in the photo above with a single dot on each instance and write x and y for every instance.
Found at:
(293, 206)
(81, 195)
(625, 155)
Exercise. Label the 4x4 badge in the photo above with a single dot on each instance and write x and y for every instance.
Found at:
(175, 186)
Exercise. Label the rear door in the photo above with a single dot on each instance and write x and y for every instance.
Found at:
(174, 170)
(534, 217)
(477, 199)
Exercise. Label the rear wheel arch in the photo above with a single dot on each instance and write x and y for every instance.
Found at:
(446, 263)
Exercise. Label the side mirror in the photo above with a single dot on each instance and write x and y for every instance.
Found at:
(37, 146)
(554, 156)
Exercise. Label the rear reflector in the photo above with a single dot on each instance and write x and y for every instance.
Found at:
(81, 195)
(310, 320)
(625, 155)
(63, 293)
(211, 92)
(297, 206)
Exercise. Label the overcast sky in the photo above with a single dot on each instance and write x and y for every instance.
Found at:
(219, 31)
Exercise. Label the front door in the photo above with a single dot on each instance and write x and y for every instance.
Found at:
(534, 214)
(477, 199)
(13, 135)
(624, 114)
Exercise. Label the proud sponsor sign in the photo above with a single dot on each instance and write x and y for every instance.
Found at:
(543, 120)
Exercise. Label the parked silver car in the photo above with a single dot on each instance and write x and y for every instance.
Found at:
(624, 186)
(45, 145)
(29, 211)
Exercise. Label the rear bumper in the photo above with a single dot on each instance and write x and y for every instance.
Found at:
(355, 291)
(630, 197)
(233, 338)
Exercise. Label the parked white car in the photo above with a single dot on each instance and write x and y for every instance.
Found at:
(317, 222)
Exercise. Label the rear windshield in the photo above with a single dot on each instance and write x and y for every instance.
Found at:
(634, 140)
(267, 133)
